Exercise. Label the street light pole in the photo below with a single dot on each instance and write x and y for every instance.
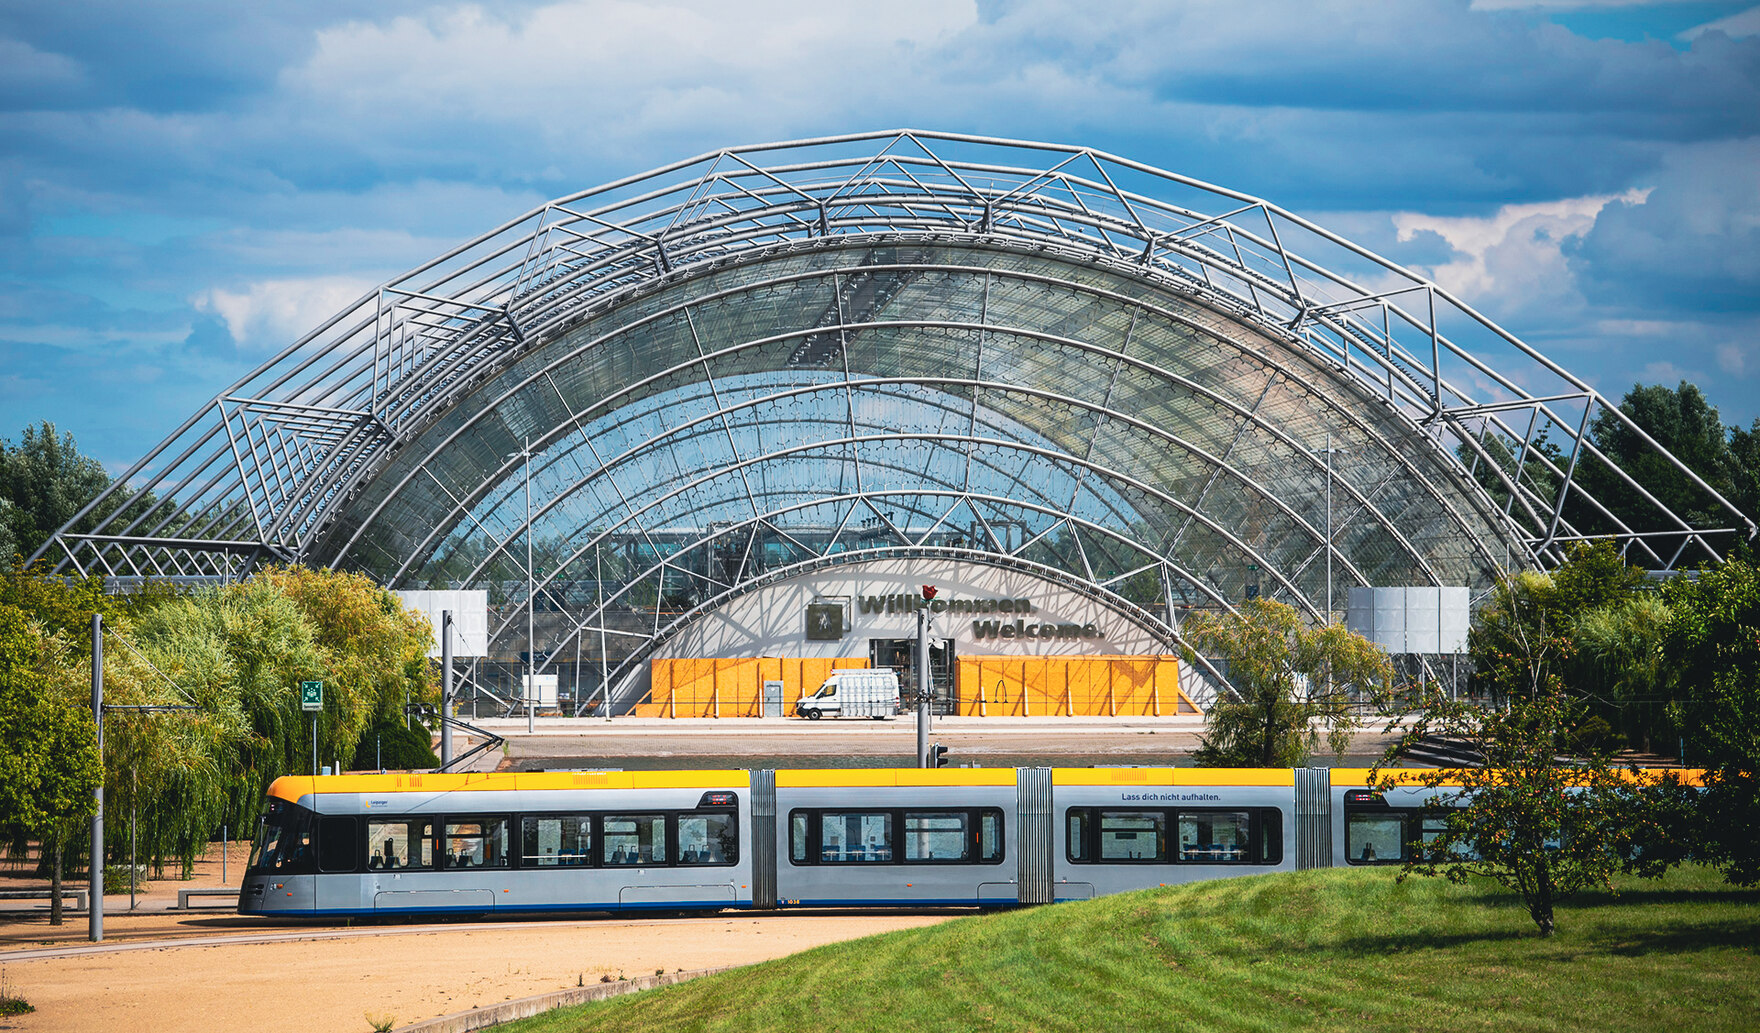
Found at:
(95, 887)
(445, 690)
(1329, 452)
(525, 453)
(925, 682)
(531, 605)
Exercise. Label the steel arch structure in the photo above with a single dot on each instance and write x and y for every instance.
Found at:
(773, 358)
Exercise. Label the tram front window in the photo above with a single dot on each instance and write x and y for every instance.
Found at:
(284, 840)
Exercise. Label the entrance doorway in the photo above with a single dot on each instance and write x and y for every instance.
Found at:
(900, 654)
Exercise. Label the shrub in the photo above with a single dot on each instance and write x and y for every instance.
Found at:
(399, 748)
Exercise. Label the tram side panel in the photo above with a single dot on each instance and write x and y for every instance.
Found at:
(1160, 830)
(488, 850)
(888, 838)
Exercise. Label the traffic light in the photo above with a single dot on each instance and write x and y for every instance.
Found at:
(937, 756)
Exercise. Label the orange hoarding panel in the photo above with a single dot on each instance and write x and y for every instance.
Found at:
(1083, 686)
(730, 686)
(987, 686)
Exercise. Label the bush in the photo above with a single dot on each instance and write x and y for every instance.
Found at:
(399, 748)
(116, 878)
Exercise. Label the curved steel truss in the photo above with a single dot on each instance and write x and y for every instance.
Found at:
(768, 359)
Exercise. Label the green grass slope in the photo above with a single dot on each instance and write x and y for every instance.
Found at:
(1349, 950)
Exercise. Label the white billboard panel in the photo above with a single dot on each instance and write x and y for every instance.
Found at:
(470, 618)
(1411, 619)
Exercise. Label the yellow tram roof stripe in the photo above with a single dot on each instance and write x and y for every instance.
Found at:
(1173, 776)
(834, 778)
(293, 787)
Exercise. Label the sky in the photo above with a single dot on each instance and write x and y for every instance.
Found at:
(186, 186)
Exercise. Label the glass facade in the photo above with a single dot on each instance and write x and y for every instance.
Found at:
(796, 408)
(768, 360)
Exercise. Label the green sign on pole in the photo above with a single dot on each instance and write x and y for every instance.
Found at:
(311, 695)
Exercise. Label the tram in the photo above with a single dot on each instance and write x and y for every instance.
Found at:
(507, 843)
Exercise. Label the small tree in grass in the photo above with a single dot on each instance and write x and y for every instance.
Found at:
(1289, 681)
(1543, 828)
(1545, 815)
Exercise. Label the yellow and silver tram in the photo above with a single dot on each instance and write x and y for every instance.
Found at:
(682, 840)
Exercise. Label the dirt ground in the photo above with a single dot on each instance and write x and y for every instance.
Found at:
(165, 972)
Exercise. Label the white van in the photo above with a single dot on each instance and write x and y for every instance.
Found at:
(853, 693)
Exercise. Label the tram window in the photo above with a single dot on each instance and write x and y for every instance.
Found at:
(1075, 837)
(990, 836)
(338, 849)
(633, 839)
(400, 843)
(707, 839)
(935, 836)
(285, 843)
(557, 841)
(1132, 835)
(476, 843)
(1215, 837)
(799, 850)
(853, 838)
(1374, 837)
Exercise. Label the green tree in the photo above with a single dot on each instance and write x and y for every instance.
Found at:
(1711, 653)
(237, 653)
(1593, 623)
(375, 652)
(49, 768)
(46, 480)
(1287, 680)
(1682, 421)
(1543, 828)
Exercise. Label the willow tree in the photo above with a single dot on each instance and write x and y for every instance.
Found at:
(238, 653)
(374, 650)
(48, 746)
(1289, 685)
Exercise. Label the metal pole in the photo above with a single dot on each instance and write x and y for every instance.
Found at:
(95, 886)
(531, 639)
(1329, 527)
(924, 714)
(445, 690)
(133, 807)
(223, 847)
(314, 744)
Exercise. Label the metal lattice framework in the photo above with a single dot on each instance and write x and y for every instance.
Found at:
(764, 360)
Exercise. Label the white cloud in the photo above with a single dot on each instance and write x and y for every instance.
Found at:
(641, 69)
(25, 69)
(1669, 374)
(1732, 360)
(271, 314)
(1742, 23)
(1515, 255)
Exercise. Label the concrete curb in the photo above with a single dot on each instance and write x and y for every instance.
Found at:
(524, 1007)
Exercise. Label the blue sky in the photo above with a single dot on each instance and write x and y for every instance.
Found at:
(186, 186)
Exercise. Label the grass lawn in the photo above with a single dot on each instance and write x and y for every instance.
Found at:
(1350, 950)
